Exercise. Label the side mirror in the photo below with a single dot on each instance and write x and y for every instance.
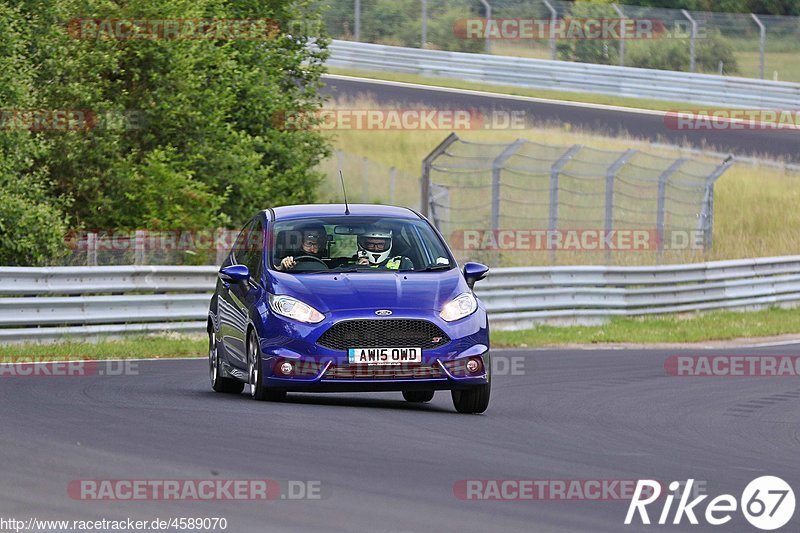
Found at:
(474, 272)
(234, 274)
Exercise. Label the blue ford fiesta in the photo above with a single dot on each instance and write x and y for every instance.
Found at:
(331, 298)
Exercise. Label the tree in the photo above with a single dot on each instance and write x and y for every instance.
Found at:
(180, 132)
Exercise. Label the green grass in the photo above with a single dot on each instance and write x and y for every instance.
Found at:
(688, 328)
(785, 63)
(140, 347)
(590, 98)
(714, 326)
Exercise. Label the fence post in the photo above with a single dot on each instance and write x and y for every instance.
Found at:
(427, 163)
(692, 40)
(611, 173)
(488, 7)
(357, 16)
(424, 23)
(392, 180)
(662, 202)
(497, 168)
(705, 224)
(91, 249)
(554, 171)
(220, 240)
(553, 21)
(365, 173)
(762, 41)
(138, 247)
(440, 196)
(622, 35)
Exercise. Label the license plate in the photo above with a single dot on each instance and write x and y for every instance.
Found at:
(384, 356)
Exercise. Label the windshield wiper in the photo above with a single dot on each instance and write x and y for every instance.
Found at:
(429, 268)
(336, 271)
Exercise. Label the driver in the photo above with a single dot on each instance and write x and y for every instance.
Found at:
(375, 251)
(313, 243)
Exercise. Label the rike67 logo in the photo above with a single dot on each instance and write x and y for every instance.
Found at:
(767, 503)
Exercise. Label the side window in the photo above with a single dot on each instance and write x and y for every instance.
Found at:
(240, 246)
(255, 250)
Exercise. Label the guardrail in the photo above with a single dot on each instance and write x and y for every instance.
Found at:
(705, 89)
(42, 304)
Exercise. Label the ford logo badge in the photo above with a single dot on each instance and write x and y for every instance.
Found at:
(383, 312)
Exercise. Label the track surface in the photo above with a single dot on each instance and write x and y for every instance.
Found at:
(650, 126)
(386, 465)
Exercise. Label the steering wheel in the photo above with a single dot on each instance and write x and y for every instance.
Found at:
(303, 258)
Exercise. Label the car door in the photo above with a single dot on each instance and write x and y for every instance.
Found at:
(232, 313)
(245, 296)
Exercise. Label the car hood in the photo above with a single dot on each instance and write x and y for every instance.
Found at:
(371, 290)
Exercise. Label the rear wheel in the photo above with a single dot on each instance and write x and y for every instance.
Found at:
(418, 396)
(219, 383)
(472, 400)
(255, 377)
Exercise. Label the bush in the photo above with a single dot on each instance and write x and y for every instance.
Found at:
(663, 54)
(673, 54)
(31, 234)
(598, 51)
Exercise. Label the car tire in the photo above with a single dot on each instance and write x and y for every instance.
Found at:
(473, 400)
(258, 391)
(219, 383)
(418, 396)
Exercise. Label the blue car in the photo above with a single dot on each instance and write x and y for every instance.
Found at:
(337, 298)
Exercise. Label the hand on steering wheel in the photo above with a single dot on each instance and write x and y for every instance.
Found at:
(290, 262)
(309, 258)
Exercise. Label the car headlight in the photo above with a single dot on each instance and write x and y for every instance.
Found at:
(461, 306)
(294, 309)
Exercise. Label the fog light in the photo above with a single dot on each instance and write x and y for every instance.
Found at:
(286, 368)
(474, 365)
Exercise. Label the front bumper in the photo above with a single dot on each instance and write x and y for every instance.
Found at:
(319, 369)
(372, 378)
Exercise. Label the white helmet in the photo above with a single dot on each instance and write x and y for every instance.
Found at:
(375, 244)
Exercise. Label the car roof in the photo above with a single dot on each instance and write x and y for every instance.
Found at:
(288, 212)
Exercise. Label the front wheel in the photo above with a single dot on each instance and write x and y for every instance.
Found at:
(219, 383)
(255, 378)
(418, 396)
(473, 400)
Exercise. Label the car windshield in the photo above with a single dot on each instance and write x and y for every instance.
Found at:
(357, 244)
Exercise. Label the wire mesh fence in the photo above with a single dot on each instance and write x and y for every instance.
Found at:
(505, 204)
(528, 203)
(741, 44)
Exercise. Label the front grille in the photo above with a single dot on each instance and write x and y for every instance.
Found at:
(387, 333)
(384, 372)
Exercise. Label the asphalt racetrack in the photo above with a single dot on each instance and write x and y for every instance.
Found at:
(606, 120)
(385, 465)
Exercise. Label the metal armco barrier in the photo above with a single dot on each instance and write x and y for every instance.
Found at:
(43, 304)
(686, 87)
